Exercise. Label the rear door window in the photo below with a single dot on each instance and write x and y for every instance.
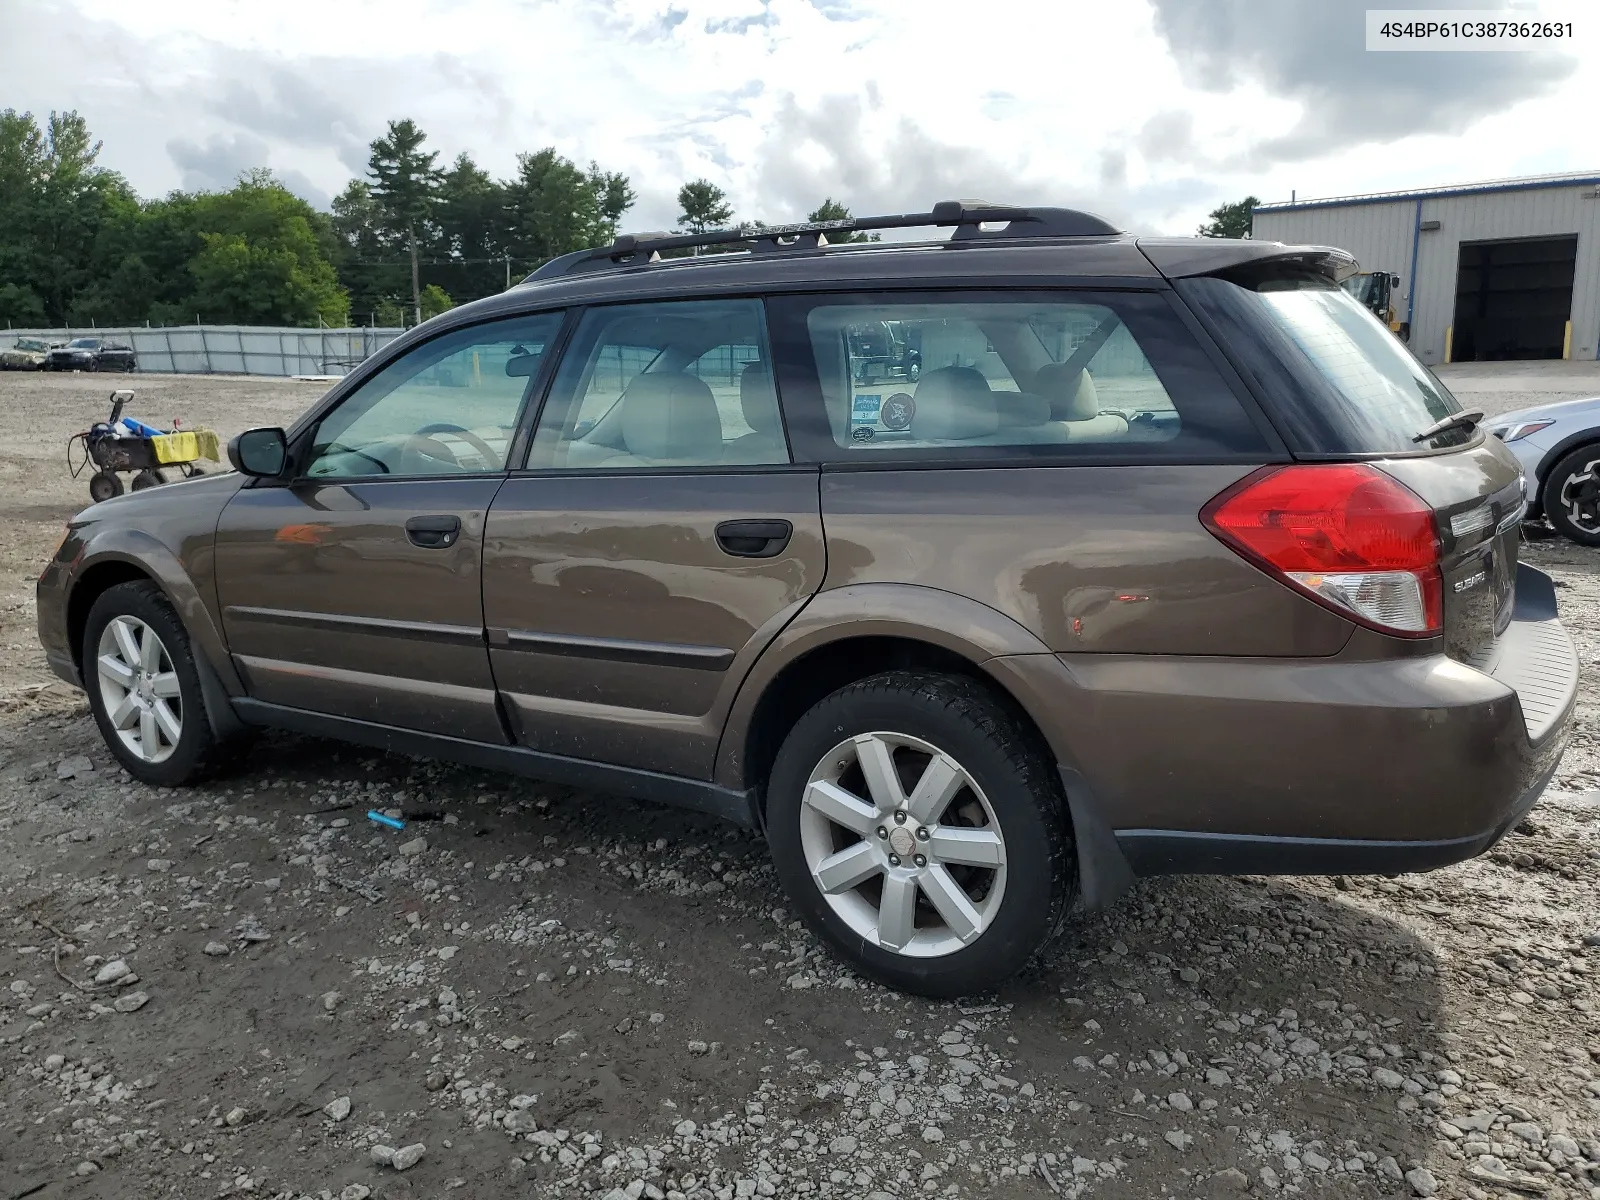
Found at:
(676, 384)
(970, 375)
(1339, 381)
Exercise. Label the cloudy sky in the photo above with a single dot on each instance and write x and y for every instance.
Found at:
(1149, 111)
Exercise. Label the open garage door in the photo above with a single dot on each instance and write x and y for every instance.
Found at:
(1513, 298)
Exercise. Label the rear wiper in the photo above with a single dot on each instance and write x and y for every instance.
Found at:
(1466, 420)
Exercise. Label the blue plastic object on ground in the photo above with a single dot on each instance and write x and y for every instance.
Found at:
(379, 818)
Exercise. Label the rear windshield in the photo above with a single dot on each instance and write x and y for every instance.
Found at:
(1337, 379)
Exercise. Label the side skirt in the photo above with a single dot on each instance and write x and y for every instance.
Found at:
(695, 794)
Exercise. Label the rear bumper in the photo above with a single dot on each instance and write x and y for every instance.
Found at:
(1171, 852)
(1360, 763)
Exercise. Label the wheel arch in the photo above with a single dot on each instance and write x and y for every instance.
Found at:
(128, 555)
(840, 638)
(851, 633)
(1573, 441)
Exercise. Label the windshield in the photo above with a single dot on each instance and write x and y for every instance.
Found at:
(83, 343)
(1339, 380)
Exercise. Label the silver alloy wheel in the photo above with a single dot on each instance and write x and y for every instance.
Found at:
(1580, 496)
(903, 844)
(139, 689)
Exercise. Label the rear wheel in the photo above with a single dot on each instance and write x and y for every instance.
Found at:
(144, 688)
(922, 833)
(1572, 495)
(148, 479)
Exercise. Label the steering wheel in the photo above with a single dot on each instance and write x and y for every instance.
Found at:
(466, 435)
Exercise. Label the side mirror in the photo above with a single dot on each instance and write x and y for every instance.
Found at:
(522, 365)
(259, 452)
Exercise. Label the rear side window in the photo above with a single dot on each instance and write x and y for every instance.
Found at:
(1339, 381)
(970, 375)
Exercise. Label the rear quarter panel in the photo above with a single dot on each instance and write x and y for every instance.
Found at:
(1086, 558)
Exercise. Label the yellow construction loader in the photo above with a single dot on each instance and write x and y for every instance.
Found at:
(1379, 291)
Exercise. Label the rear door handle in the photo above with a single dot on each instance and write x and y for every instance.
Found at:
(433, 533)
(754, 539)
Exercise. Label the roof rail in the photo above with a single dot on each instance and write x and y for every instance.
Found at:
(967, 216)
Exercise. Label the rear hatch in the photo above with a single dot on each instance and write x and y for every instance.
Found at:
(1342, 388)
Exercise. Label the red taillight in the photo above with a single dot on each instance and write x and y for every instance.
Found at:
(1346, 534)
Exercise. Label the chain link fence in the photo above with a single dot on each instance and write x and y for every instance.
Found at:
(233, 349)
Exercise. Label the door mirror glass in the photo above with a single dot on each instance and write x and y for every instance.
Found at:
(259, 452)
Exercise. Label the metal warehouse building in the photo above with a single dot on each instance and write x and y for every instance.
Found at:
(1499, 270)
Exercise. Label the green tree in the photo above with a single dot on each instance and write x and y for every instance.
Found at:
(366, 255)
(831, 210)
(404, 187)
(555, 208)
(614, 195)
(703, 206)
(473, 225)
(261, 260)
(1230, 220)
(435, 300)
(22, 156)
(54, 203)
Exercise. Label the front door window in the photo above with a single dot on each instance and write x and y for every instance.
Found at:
(448, 407)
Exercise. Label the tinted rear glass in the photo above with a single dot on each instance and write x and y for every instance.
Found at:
(1337, 380)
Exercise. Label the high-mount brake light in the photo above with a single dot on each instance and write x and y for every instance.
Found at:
(1349, 536)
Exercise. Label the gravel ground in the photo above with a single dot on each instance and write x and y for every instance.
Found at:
(249, 989)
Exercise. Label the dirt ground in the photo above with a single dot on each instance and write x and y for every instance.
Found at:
(567, 995)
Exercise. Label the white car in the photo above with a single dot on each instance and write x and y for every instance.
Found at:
(1559, 445)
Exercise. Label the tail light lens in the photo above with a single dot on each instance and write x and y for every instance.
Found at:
(1345, 534)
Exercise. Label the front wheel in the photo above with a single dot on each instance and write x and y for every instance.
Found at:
(921, 831)
(104, 485)
(1572, 495)
(144, 688)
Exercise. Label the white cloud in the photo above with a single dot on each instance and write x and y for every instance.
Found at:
(887, 105)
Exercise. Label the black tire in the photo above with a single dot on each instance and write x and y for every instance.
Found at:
(94, 365)
(148, 479)
(974, 726)
(198, 753)
(1566, 476)
(104, 485)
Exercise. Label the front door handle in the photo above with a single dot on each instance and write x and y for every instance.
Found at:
(754, 539)
(433, 533)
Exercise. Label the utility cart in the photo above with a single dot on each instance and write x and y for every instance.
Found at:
(122, 445)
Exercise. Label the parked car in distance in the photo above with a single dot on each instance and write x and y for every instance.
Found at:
(1171, 559)
(1559, 448)
(25, 354)
(91, 354)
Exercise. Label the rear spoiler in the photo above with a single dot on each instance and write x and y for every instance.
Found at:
(1182, 258)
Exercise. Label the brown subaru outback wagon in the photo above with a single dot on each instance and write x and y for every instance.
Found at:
(1142, 555)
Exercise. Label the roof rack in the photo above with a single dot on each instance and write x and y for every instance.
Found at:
(967, 216)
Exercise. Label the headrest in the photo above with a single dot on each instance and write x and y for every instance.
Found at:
(1020, 410)
(669, 415)
(954, 404)
(759, 401)
(1071, 398)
